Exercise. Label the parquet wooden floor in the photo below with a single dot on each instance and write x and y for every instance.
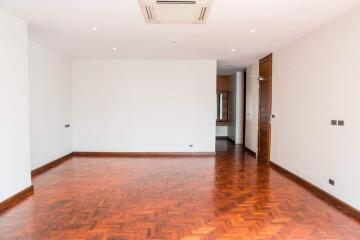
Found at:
(225, 197)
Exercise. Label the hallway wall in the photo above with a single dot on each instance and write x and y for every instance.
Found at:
(252, 106)
(235, 128)
(222, 131)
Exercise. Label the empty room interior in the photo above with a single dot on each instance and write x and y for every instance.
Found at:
(179, 120)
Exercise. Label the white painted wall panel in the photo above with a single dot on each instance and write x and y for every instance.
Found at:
(144, 105)
(14, 107)
(50, 105)
(315, 80)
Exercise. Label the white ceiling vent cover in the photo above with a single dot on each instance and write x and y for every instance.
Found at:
(175, 11)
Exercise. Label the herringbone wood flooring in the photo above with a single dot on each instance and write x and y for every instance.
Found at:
(225, 197)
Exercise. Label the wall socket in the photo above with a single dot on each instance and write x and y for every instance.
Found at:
(67, 125)
(337, 122)
(331, 182)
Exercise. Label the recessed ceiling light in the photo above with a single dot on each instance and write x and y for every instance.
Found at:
(233, 50)
(94, 28)
(114, 48)
(174, 40)
(252, 30)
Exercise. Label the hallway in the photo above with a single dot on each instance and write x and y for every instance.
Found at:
(228, 196)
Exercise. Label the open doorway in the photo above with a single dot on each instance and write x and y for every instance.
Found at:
(230, 109)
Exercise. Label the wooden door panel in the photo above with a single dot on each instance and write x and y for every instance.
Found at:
(265, 95)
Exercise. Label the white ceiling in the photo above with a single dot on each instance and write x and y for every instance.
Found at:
(66, 26)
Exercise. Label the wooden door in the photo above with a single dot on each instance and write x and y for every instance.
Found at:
(265, 93)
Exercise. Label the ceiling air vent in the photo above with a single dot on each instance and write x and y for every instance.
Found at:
(175, 11)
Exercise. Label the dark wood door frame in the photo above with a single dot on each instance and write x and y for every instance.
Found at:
(265, 102)
(244, 111)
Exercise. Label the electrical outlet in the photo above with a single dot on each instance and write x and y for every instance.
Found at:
(341, 122)
(67, 125)
(334, 122)
(331, 182)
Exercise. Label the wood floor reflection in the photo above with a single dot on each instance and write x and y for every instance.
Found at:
(228, 196)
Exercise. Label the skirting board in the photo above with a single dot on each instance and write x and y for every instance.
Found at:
(252, 153)
(140, 154)
(12, 201)
(231, 140)
(342, 206)
(59, 161)
(50, 165)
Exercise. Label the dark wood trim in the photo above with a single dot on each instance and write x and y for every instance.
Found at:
(61, 160)
(251, 152)
(221, 137)
(231, 140)
(244, 111)
(140, 154)
(13, 200)
(50, 165)
(225, 138)
(226, 120)
(222, 124)
(327, 197)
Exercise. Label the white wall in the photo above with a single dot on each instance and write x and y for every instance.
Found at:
(316, 79)
(50, 105)
(14, 120)
(221, 131)
(252, 106)
(144, 105)
(237, 102)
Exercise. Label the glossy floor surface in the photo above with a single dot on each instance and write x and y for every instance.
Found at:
(228, 196)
